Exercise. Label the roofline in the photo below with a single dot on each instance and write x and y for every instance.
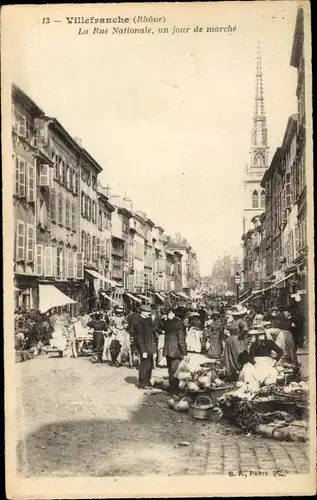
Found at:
(19, 91)
(298, 37)
(88, 156)
(59, 127)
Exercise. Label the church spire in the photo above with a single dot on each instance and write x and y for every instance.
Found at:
(259, 144)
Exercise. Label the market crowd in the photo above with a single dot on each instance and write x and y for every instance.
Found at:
(248, 344)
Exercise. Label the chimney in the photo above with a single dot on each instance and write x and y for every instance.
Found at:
(116, 200)
(141, 214)
(127, 203)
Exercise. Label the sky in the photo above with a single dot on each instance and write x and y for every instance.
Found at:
(168, 117)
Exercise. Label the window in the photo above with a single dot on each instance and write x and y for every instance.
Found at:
(31, 183)
(67, 214)
(82, 204)
(88, 253)
(22, 125)
(98, 248)
(262, 198)
(255, 199)
(88, 177)
(94, 248)
(70, 264)
(39, 259)
(53, 206)
(20, 240)
(68, 172)
(20, 177)
(80, 266)
(83, 243)
(93, 212)
(48, 261)
(71, 179)
(61, 169)
(60, 209)
(30, 242)
(59, 263)
(100, 219)
(44, 176)
(74, 217)
(94, 182)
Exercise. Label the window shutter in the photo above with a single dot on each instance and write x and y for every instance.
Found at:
(288, 189)
(60, 169)
(39, 260)
(20, 240)
(64, 173)
(62, 263)
(70, 264)
(80, 266)
(67, 214)
(54, 260)
(97, 248)
(71, 178)
(51, 177)
(53, 206)
(88, 252)
(31, 183)
(30, 242)
(76, 183)
(60, 209)
(83, 204)
(94, 248)
(48, 261)
(22, 126)
(17, 176)
(83, 243)
(44, 176)
(73, 217)
(22, 172)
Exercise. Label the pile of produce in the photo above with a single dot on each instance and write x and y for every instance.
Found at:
(200, 380)
(271, 404)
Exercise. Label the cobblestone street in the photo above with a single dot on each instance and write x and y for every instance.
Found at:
(77, 418)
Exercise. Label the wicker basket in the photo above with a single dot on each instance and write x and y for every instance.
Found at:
(217, 392)
(203, 411)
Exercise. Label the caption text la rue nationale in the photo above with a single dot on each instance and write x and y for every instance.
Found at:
(122, 26)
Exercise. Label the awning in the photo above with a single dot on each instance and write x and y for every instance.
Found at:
(50, 297)
(110, 298)
(174, 295)
(16, 289)
(99, 276)
(160, 296)
(183, 295)
(256, 292)
(145, 298)
(132, 297)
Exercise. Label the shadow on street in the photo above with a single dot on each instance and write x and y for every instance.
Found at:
(145, 444)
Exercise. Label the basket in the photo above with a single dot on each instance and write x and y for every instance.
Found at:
(204, 411)
(217, 392)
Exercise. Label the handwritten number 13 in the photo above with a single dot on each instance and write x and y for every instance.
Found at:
(46, 20)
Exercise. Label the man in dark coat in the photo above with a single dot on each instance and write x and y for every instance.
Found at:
(175, 348)
(132, 319)
(146, 345)
(99, 328)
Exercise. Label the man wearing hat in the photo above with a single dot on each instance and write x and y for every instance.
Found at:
(146, 345)
(175, 348)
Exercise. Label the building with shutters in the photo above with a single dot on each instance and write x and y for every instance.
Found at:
(105, 210)
(149, 256)
(58, 256)
(137, 222)
(160, 243)
(120, 244)
(27, 160)
(90, 237)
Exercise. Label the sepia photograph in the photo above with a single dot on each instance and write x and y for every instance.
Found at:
(158, 249)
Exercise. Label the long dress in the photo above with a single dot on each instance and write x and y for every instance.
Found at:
(233, 347)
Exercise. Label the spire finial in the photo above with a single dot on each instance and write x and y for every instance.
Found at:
(259, 130)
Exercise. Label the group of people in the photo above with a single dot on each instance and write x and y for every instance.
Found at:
(249, 344)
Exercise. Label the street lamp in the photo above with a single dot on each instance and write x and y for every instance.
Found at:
(237, 280)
